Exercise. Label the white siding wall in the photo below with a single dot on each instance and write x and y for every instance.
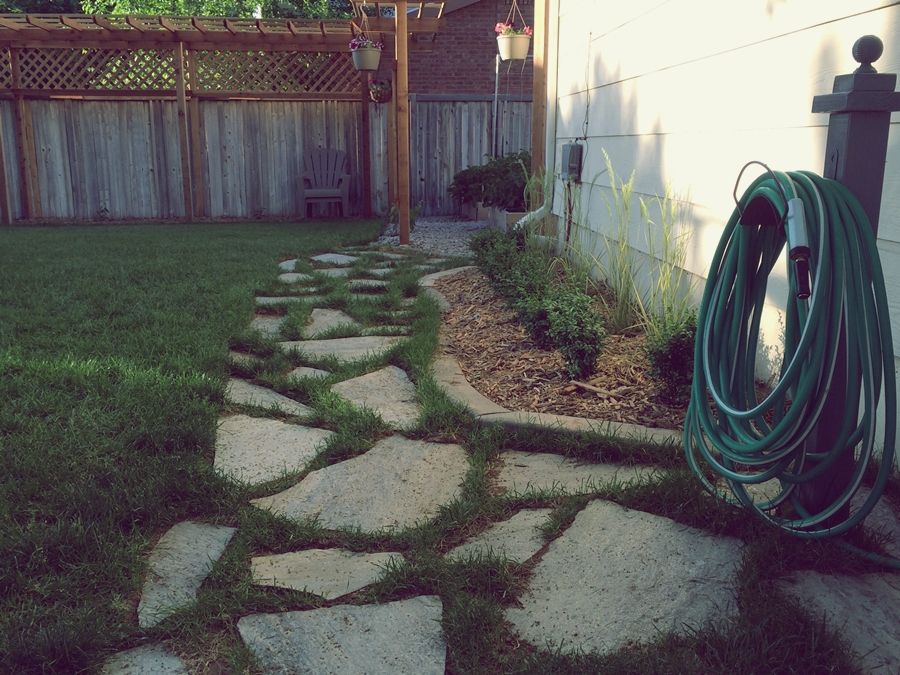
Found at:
(684, 92)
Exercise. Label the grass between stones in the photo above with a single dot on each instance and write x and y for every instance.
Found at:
(114, 368)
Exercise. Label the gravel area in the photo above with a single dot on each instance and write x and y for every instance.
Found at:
(445, 236)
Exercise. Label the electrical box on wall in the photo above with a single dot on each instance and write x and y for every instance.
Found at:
(571, 161)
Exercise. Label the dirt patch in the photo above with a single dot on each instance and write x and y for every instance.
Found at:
(502, 362)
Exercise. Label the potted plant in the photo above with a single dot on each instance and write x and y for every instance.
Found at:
(380, 91)
(366, 52)
(512, 42)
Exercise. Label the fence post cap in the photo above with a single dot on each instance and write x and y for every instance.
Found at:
(866, 51)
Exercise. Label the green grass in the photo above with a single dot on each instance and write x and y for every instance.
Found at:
(113, 362)
(113, 346)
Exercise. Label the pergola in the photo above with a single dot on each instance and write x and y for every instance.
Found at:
(192, 58)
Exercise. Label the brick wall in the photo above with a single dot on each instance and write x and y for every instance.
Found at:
(463, 58)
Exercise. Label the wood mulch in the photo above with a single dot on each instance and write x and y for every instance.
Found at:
(503, 363)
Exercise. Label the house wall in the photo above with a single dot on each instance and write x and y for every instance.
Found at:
(685, 92)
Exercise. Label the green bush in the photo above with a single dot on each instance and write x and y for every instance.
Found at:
(575, 328)
(556, 313)
(500, 182)
(671, 354)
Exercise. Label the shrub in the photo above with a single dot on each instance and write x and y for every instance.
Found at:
(556, 313)
(575, 328)
(500, 182)
(671, 354)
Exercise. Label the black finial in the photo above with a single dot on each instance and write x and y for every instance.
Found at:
(866, 51)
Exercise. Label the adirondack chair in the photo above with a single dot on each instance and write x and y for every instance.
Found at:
(325, 179)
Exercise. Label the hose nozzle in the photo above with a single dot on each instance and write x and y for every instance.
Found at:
(798, 245)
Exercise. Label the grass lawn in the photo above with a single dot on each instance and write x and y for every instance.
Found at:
(113, 344)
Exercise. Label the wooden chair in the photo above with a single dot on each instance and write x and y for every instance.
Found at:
(325, 179)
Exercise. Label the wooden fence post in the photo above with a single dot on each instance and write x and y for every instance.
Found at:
(195, 126)
(27, 160)
(402, 41)
(365, 146)
(181, 103)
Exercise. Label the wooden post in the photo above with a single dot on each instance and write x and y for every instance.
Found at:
(5, 210)
(195, 126)
(181, 103)
(539, 87)
(402, 40)
(25, 150)
(365, 146)
(392, 142)
(860, 108)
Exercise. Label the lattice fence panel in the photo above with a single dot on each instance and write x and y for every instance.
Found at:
(109, 69)
(283, 72)
(5, 70)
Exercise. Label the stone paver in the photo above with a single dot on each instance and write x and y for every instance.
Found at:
(387, 639)
(269, 300)
(323, 320)
(304, 371)
(269, 326)
(257, 449)
(385, 330)
(335, 271)
(287, 265)
(177, 566)
(246, 393)
(328, 573)
(524, 472)
(144, 660)
(396, 484)
(344, 350)
(862, 607)
(516, 539)
(334, 259)
(392, 256)
(388, 392)
(618, 576)
(293, 277)
(380, 271)
(362, 284)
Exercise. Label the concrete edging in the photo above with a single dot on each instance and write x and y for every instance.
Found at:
(427, 283)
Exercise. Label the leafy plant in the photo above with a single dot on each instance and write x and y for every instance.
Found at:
(670, 350)
(555, 311)
(500, 182)
(575, 328)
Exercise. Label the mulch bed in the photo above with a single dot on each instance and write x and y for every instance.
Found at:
(502, 362)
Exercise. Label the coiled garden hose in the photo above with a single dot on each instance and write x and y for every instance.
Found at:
(836, 289)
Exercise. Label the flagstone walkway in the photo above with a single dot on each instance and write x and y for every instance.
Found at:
(614, 576)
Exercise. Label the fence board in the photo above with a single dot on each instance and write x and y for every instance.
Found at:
(449, 136)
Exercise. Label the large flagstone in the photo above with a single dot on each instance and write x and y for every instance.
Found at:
(178, 564)
(344, 350)
(247, 393)
(396, 484)
(388, 392)
(617, 577)
(394, 638)
(324, 320)
(328, 573)
(525, 472)
(257, 449)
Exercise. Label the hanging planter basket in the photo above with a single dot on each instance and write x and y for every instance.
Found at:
(366, 58)
(513, 47)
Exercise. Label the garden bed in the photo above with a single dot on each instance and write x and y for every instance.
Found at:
(500, 359)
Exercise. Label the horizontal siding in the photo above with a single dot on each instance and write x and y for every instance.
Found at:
(735, 82)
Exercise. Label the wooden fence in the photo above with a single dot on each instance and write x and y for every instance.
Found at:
(449, 135)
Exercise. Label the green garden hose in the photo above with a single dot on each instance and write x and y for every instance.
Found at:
(836, 289)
